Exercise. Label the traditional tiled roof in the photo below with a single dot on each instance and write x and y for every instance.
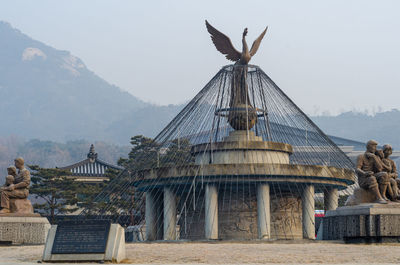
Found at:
(90, 167)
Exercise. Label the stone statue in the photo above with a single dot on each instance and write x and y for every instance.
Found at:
(390, 167)
(371, 174)
(242, 115)
(8, 183)
(12, 171)
(13, 196)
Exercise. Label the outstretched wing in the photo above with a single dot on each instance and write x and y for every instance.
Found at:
(223, 43)
(257, 42)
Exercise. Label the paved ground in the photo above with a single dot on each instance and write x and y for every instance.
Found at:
(234, 253)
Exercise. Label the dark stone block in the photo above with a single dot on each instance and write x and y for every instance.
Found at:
(79, 237)
(372, 239)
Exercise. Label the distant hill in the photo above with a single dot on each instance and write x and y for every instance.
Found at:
(50, 94)
(383, 127)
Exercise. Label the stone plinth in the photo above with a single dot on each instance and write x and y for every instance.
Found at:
(19, 229)
(363, 223)
(242, 188)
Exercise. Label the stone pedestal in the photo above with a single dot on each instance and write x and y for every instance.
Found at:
(211, 212)
(169, 214)
(263, 212)
(363, 223)
(308, 212)
(229, 196)
(19, 229)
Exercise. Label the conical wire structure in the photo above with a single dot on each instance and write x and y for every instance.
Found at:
(238, 162)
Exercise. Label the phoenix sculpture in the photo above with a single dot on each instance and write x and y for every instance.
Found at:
(241, 113)
(224, 45)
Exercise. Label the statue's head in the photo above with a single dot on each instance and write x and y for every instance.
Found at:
(9, 179)
(380, 153)
(387, 150)
(371, 146)
(11, 170)
(19, 162)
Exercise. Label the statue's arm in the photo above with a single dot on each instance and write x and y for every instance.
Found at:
(25, 182)
(386, 167)
(378, 162)
(394, 170)
(359, 165)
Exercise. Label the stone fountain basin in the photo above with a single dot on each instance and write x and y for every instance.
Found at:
(319, 176)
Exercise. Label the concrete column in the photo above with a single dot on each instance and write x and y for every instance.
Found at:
(151, 216)
(263, 212)
(331, 197)
(308, 213)
(211, 212)
(169, 214)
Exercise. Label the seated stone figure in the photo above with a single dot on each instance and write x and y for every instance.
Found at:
(11, 170)
(12, 173)
(13, 198)
(371, 176)
(8, 183)
(389, 166)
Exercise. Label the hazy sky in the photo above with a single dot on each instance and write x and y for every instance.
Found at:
(326, 55)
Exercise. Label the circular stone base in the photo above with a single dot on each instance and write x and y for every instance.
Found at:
(242, 147)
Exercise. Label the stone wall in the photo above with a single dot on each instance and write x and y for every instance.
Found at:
(286, 214)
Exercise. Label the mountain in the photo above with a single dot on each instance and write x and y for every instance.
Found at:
(382, 127)
(155, 118)
(50, 94)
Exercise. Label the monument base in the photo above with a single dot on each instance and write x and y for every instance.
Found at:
(17, 229)
(364, 223)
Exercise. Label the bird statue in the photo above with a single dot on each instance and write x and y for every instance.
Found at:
(224, 45)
